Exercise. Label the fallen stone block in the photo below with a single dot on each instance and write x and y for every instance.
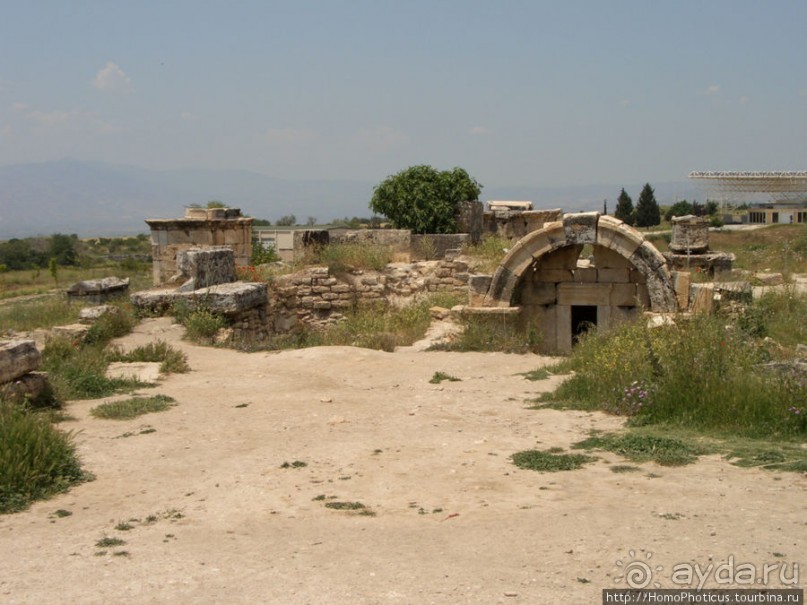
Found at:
(17, 358)
(32, 387)
(74, 332)
(89, 315)
(98, 290)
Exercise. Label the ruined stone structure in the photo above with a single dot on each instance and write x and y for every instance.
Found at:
(689, 248)
(515, 223)
(200, 227)
(316, 298)
(544, 275)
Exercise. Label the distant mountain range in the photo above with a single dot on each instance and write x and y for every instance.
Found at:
(93, 198)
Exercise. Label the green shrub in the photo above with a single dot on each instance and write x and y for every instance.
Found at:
(118, 322)
(78, 371)
(36, 459)
(203, 325)
(699, 374)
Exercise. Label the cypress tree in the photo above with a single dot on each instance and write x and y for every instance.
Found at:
(624, 208)
(647, 210)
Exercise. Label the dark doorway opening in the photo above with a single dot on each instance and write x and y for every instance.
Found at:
(584, 317)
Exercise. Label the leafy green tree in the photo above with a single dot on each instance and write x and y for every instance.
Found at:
(286, 221)
(63, 248)
(216, 204)
(423, 199)
(682, 208)
(624, 208)
(647, 210)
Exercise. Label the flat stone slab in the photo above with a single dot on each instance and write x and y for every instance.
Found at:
(144, 371)
(106, 286)
(227, 299)
(75, 332)
(18, 358)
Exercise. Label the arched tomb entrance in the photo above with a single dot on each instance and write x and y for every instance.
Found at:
(545, 275)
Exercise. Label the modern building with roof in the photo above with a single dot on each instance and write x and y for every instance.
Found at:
(785, 193)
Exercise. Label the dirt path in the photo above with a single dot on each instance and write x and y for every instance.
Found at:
(454, 521)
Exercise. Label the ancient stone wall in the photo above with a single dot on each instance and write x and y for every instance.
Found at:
(316, 298)
(515, 224)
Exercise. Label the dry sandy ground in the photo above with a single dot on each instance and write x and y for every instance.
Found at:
(455, 521)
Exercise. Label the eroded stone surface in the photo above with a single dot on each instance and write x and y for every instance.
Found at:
(17, 358)
(99, 290)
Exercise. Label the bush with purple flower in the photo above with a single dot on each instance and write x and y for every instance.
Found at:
(632, 399)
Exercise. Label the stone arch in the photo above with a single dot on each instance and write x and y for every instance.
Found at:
(576, 230)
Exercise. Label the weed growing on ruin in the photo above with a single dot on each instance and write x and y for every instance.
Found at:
(549, 462)
(341, 258)
(132, 408)
(36, 459)
(488, 253)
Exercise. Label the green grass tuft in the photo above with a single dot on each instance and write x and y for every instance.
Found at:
(441, 376)
(36, 459)
(550, 462)
(173, 361)
(132, 408)
(639, 447)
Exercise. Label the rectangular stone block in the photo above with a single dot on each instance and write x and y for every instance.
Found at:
(681, 282)
(539, 293)
(565, 258)
(613, 276)
(581, 227)
(586, 275)
(636, 276)
(547, 324)
(553, 275)
(584, 294)
(643, 295)
(623, 295)
(605, 258)
(563, 327)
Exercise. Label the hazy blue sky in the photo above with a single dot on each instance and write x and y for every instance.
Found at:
(517, 92)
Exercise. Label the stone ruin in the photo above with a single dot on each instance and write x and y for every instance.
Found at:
(200, 227)
(206, 279)
(19, 375)
(566, 273)
(98, 291)
(689, 248)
